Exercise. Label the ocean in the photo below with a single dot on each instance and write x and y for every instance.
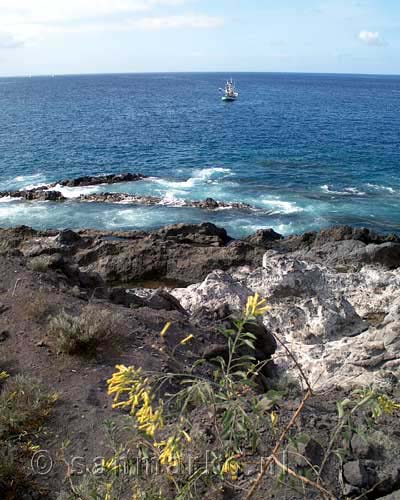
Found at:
(305, 151)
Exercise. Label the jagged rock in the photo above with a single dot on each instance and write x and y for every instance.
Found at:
(68, 237)
(88, 180)
(264, 237)
(217, 289)
(34, 195)
(161, 299)
(355, 474)
(320, 313)
(121, 296)
(203, 234)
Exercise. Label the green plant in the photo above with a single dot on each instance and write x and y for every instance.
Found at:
(24, 404)
(229, 397)
(40, 264)
(38, 307)
(7, 462)
(215, 409)
(83, 333)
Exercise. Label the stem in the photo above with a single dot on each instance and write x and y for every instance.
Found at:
(278, 445)
(303, 479)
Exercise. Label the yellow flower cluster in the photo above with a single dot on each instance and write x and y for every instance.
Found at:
(111, 465)
(130, 384)
(231, 467)
(4, 375)
(255, 306)
(171, 453)
(387, 405)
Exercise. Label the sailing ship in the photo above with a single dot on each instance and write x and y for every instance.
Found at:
(230, 91)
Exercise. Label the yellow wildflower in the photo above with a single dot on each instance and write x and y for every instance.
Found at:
(231, 467)
(171, 453)
(4, 375)
(387, 405)
(108, 491)
(187, 437)
(130, 384)
(256, 306)
(165, 329)
(274, 419)
(110, 465)
(186, 340)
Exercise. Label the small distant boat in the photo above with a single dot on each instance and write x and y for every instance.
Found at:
(230, 91)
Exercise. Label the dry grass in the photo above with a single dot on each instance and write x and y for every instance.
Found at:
(82, 334)
(39, 264)
(37, 309)
(24, 403)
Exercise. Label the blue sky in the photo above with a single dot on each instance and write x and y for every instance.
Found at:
(100, 36)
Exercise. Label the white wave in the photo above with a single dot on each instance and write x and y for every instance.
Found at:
(35, 186)
(129, 217)
(75, 192)
(378, 187)
(23, 182)
(171, 199)
(20, 212)
(199, 176)
(281, 207)
(347, 191)
(7, 199)
(24, 178)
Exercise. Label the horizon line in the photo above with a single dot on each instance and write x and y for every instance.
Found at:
(111, 73)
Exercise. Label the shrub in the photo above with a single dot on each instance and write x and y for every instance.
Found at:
(82, 334)
(24, 403)
(39, 264)
(38, 307)
(7, 462)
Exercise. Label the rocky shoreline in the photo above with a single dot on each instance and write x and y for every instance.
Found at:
(51, 192)
(334, 299)
(331, 291)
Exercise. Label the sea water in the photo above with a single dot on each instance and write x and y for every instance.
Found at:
(305, 151)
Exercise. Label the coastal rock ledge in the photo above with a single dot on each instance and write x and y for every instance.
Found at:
(334, 294)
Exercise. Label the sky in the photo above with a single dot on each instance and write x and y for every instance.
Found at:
(41, 37)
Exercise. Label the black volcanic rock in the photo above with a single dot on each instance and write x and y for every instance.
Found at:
(88, 180)
(68, 237)
(34, 195)
(264, 237)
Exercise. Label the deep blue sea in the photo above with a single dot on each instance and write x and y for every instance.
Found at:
(307, 151)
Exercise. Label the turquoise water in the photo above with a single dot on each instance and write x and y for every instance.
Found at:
(306, 151)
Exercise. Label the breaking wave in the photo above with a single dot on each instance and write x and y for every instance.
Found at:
(347, 191)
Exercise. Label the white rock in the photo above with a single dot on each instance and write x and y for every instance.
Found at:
(344, 328)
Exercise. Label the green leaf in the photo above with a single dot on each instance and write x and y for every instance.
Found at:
(249, 343)
(265, 404)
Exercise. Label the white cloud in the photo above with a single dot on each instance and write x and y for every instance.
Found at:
(184, 21)
(22, 21)
(370, 37)
(10, 41)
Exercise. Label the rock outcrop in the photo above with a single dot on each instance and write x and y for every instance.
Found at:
(344, 328)
(334, 295)
(95, 180)
(40, 194)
